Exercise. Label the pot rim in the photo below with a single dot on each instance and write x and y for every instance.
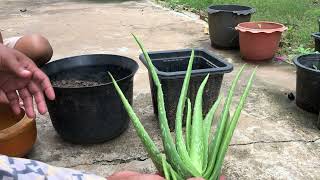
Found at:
(248, 10)
(299, 65)
(197, 72)
(240, 27)
(18, 128)
(316, 35)
(132, 73)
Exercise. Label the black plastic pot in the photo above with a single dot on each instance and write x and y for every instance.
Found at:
(222, 22)
(318, 122)
(316, 37)
(171, 68)
(92, 113)
(308, 82)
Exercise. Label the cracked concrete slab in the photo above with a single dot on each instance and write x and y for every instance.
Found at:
(274, 138)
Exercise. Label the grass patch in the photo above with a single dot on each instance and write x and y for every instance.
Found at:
(300, 16)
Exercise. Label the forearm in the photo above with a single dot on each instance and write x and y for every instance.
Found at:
(28, 170)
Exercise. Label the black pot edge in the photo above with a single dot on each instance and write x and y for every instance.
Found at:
(221, 70)
(299, 65)
(216, 46)
(96, 141)
(130, 76)
(238, 12)
(306, 109)
(316, 35)
(318, 122)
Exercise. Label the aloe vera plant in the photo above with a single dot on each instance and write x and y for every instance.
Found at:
(198, 153)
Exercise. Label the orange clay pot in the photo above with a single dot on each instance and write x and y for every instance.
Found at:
(17, 132)
(259, 40)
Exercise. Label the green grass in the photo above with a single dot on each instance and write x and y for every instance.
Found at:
(300, 16)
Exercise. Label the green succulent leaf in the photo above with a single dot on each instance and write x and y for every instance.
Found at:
(197, 134)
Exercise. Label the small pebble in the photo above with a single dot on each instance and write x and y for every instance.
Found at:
(23, 10)
(291, 96)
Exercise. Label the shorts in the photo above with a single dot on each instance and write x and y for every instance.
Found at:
(11, 42)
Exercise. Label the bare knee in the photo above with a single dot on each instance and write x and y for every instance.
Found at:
(36, 47)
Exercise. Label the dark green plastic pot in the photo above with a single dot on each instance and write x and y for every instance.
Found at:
(222, 22)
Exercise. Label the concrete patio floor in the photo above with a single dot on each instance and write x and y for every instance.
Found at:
(274, 138)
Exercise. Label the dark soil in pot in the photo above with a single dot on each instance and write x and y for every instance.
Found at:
(87, 108)
(86, 76)
(308, 82)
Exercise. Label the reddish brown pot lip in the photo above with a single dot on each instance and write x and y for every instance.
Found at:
(261, 27)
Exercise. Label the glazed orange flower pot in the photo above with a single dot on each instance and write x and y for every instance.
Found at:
(17, 132)
(259, 40)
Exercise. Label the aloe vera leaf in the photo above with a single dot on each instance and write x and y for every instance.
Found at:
(196, 147)
(181, 146)
(173, 175)
(235, 118)
(165, 167)
(149, 145)
(185, 169)
(207, 123)
(215, 144)
(227, 125)
(188, 125)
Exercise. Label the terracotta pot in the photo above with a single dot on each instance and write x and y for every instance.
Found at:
(259, 40)
(17, 132)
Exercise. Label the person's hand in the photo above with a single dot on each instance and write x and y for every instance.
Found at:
(20, 77)
(128, 175)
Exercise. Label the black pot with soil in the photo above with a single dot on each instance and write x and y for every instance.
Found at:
(222, 21)
(308, 82)
(87, 108)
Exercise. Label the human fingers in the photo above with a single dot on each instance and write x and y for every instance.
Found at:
(12, 82)
(125, 174)
(13, 99)
(37, 93)
(27, 102)
(128, 175)
(37, 75)
(3, 98)
(43, 81)
(10, 62)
